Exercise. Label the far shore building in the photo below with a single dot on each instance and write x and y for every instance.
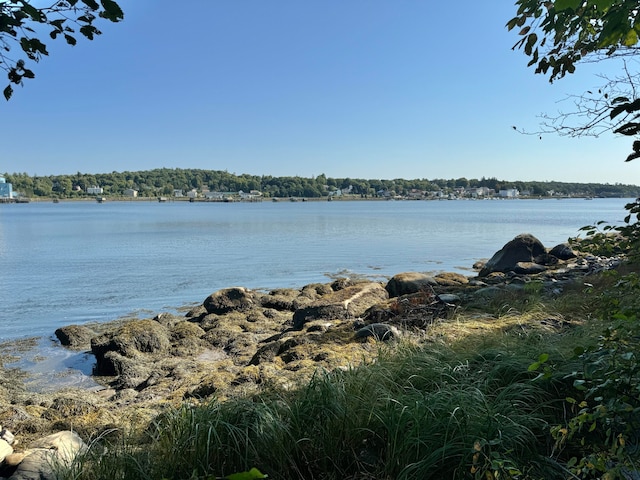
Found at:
(509, 193)
(178, 192)
(130, 192)
(6, 189)
(95, 190)
(193, 193)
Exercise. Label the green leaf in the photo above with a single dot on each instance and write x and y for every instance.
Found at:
(561, 5)
(630, 39)
(252, 474)
(8, 91)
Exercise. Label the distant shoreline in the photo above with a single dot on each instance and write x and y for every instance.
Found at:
(345, 198)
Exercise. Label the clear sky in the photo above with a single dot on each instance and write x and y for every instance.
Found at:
(350, 88)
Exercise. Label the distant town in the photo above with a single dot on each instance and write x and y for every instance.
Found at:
(212, 185)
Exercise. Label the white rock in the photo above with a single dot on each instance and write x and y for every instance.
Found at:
(5, 449)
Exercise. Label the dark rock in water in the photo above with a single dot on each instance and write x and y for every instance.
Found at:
(349, 302)
(74, 336)
(523, 248)
(228, 300)
(409, 282)
(563, 251)
(379, 331)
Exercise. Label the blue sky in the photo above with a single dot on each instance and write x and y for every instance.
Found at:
(351, 88)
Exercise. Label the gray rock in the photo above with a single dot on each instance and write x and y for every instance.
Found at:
(563, 251)
(523, 248)
(450, 298)
(379, 331)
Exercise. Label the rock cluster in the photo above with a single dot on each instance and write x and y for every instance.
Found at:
(239, 340)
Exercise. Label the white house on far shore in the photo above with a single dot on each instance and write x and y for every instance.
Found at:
(6, 189)
(130, 192)
(95, 190)
(509, 193)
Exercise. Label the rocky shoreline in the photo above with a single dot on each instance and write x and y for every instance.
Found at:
(239, 342)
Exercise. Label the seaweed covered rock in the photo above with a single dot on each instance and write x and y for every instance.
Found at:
(229, 300)
(129, 341)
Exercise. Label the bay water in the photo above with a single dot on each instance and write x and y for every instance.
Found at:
(78, 262)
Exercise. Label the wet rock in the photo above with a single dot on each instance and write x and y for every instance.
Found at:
(350, 302)
(76, 337)
(523, 248)
(409, 282)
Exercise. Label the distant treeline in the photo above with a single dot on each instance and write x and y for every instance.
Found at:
(164, 181)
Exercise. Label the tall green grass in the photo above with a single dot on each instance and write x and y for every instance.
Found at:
(416, 412)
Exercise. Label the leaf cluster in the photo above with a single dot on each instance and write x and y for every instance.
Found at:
(21, 24)
(556, 35)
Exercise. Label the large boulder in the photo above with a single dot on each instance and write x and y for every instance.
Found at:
(350, 302)
(409, 282)
(523, 248)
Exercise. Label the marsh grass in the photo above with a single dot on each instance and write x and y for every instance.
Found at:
(415, 413)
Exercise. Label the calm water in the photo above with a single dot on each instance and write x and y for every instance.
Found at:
(76, 262)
